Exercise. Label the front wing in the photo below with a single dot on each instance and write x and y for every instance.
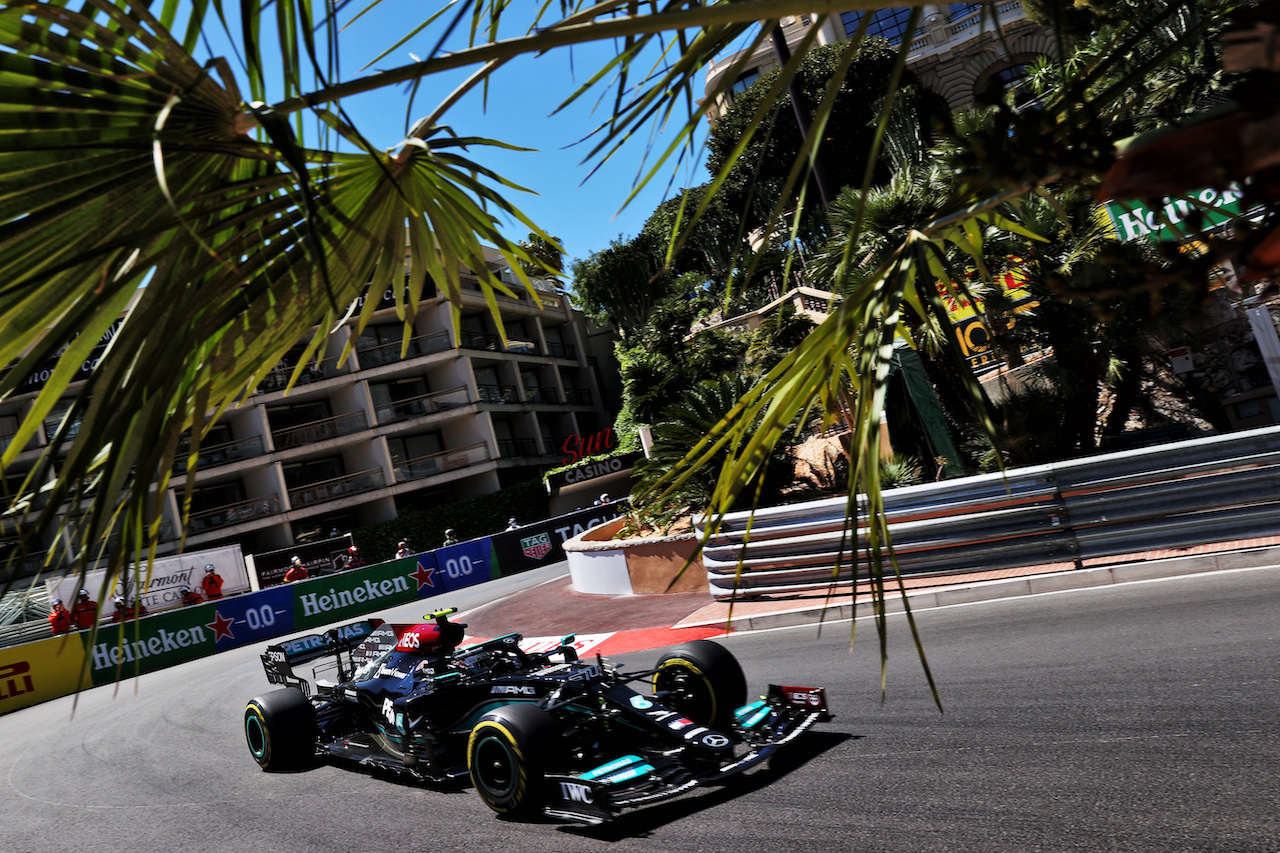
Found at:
(764, 727)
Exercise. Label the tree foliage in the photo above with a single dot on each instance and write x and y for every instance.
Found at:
(756, 179)
(127, 160)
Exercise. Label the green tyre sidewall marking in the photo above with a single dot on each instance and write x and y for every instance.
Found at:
(257, 735)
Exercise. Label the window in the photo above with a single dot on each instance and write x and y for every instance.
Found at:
(888, 24)
(414, 447)
(8, 429)
(283, 417)
(745, 81)
(1012, 79)
(388, 393)
(313, 471)
(53, 420)
(216, 497)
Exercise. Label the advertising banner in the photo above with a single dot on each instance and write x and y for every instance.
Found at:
(592, 471)
(39, 671)
(1169, 219)
(542, 543)
(325, 557)
(168, 575)
(145, 645)
(429, 579)
(322, 600)
(466, 564)
(250, 618)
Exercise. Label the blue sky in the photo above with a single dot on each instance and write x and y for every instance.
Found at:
(583, 212)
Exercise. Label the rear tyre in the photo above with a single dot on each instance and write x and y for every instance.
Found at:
(505, 755)
(280, 729)
(703, 681)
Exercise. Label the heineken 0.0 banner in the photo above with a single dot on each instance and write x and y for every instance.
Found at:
(334, 598)
(1174, 218)
(465, 564)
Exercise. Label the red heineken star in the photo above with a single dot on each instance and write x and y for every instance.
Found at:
(423, 577)
(221, 627)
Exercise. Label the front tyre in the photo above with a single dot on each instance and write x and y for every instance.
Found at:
(703, 681)
(505, 755)
(280, 729)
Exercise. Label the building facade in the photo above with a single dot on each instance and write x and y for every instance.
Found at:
(957, 51)
(353, 444)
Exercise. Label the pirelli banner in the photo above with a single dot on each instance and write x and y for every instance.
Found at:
(39, 671)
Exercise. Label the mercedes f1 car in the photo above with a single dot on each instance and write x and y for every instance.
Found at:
(545, 733)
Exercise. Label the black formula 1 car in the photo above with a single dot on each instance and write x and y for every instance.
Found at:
(537, 733)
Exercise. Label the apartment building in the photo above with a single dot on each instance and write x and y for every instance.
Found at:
(353, 444)
(956, 51)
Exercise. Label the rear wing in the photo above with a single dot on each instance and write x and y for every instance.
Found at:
(279, 659)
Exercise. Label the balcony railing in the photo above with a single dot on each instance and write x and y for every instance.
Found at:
(479, 340)
(558, 350)
(338, 487)
(438, 463)
(548, 294)
(497, 393)
(542, 396)
(578, 396)
(236, 513)
(220, 454)
(322, 430)
(389, 353)
(514, 447)
(427, 404)
(278, 378)
(523, 347)
(493, 343)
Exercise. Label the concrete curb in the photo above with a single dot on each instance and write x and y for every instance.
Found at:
(750, 616)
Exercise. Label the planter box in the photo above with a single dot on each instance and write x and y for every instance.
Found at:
(646, 565)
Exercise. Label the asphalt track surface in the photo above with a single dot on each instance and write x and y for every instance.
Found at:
(1140, 717)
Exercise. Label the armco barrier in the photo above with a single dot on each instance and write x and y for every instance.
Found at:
(46, 669)
(1176, 495)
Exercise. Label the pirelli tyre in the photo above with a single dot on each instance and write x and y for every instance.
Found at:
(280, 729)
(703, 681)
(505, 756)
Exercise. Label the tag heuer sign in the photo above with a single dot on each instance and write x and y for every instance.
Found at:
(536, 547)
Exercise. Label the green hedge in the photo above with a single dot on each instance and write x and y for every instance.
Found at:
(472, 518)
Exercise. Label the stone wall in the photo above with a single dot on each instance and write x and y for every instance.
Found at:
(962, 71)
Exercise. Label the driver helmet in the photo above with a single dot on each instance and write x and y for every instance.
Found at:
(119, 601)
(294, 560)
(57, 601)
(84, 593)
(353, 550)
(209, 568)
(184, 588)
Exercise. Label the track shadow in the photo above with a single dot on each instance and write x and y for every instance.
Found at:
(642, 822)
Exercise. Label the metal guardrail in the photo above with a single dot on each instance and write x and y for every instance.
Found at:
(1216, 489)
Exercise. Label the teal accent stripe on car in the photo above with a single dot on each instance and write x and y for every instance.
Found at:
(628, 774)
(612, 766)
